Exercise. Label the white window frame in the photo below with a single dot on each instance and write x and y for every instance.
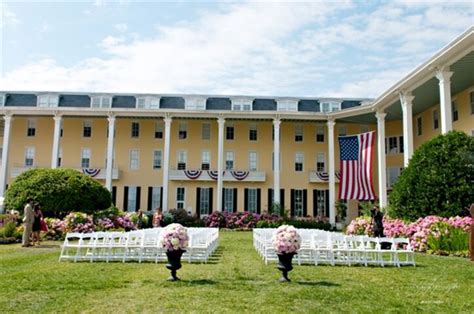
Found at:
(299, 131)
(132, 201)
(206, 131)
(134, 159)
(287, 105)
(183, 129)
(204, 202)
(320, 131)
(228, 200)
(205, 159)
(227, 127)
(320, 203)
(155, 197)
(3, 98)
(181, 159)
(47, 101)
(321, 159)
(147, 102)
(31, 124)
(299, 159)
(298, 203)
(158, 130)
(86, 155)
(101, 101)
(133, 123)
(30, 152)
(330, 106)
(195, 103)
(242, 104)
(252, 200)
(228, 154)
(86, 124)
(455, 109)
(253, 130)
(180, 203)
(435, 118)
(157, 159)
(253, 161)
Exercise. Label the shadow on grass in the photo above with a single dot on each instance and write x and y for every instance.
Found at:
(199, 282)
(318, 283)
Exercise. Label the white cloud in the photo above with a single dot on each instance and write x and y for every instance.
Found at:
(8, 17)
(122, 27)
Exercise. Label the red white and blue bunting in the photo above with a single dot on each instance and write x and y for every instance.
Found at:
(240, 175)
(324, 176)
(192, 174)
(213, 174)
(91, 171)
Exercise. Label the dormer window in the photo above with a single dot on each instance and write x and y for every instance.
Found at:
(148, 102)
(195, 103)
(241, 104)
(101, 102)
(287, 105)
(48, 100)
(3, 98)
(330, 106)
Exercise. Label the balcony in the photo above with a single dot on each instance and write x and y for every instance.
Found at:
(321, 176)
(211, 175)
(96, 173)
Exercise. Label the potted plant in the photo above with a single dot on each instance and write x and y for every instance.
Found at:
(286, 242)
(174, 239)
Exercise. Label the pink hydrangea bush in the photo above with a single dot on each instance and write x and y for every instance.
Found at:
(360, 226)
(104, 224)
(286, 240)
(56, 228)
(174, 237)
(79, 222)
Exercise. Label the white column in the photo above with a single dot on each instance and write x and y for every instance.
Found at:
(6, 145)
(56, 135)
(276, 161)
(444, 78)
(406, 99)
(166, 163)
(332, 174)
(110, 154)
(381, 159)
(220, 162)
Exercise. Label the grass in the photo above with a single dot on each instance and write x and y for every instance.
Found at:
(236, 280)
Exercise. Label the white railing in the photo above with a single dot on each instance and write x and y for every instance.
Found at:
(211, 175)
(321, 176)
(96, 173)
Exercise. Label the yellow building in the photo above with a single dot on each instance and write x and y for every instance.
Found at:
(210, 153)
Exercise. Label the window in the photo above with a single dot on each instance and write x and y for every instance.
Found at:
(183, 131)
(299, 159)
(195, 103)
(3, 97)
(471, 95)
(342, 131)
(101, 102)
(320, 162)
(252, 200)
(298, 133)
(228, 200)
(87, 128)
(134, 163)
(330, 106)
(180, 197)
(205, 160)
(155, 197)
(419, 126)
(287, 105)
(48, 100)
(320, 134)
(393, 145)
(392, 175)
(253, 132)
(29, 156)
(31, 128)
(157, 160)
(60, 157)
(298, 203)
(455, 110)
(252, 161)
(132, 199)
(182, 158)
(204, 201)
(148, 102)
(85, 158)
(206, 131)
(135, 129)
(229, 160)
(241, 104)
(435, 119)
(320, 203)
(158, 130)
(229, 132)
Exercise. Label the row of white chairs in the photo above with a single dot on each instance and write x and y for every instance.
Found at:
(139, 246)
(323, 247)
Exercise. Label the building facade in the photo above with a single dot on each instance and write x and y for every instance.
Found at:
(231, 153)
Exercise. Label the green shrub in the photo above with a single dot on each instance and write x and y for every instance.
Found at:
(448, 240)
(438, 179)
(58, 191)
(8, 230)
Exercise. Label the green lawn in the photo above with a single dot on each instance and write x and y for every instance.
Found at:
(236, 280)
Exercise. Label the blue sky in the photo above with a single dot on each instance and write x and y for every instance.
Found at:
(331, 49)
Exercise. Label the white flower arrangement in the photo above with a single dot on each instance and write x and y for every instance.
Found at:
(286, 240)
(174, 237)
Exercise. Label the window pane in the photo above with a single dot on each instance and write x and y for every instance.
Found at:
(206, 131)
(157, 159)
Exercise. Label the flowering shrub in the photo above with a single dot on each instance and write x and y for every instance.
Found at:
(56, 228)
(174, 237)
(79, 222)
(286, 240)
(104, 224)
(360, 226)
(125, 222)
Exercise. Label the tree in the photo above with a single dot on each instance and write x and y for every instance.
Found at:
(57, 190)
(439, 179)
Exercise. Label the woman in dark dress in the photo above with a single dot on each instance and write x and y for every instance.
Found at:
(377, 222)
(37, 224)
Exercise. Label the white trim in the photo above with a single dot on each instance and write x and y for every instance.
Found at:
(250, 160)
(3, 99)
(47, 100)
(130, 159)
(184, 197)
(153, 159)
(287, 105)
(242, 103)
(147, 102)
(104, 101)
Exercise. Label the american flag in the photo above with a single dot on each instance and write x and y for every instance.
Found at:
(356, 153)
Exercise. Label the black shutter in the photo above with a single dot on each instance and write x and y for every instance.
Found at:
(125, 198)
(258, 201)
(282, 198)
(292, 204)
(114, 195)
(211, 201)
(305, 202)
(235, 200)
(270, 200)
(246, 200)
(137, 207)
(198, 202)
(150, 198)
(223, 200)
(161, 198)
(327, 202)
(315, 203)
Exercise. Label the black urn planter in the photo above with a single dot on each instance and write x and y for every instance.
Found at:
(284, 265)
(174, 263)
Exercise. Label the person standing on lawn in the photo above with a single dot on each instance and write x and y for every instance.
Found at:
(28, 222)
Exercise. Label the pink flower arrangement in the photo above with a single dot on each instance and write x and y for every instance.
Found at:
(174, 237)
(286, 240)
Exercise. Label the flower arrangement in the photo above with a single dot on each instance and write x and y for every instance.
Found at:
(286, 240)
(174, 237)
